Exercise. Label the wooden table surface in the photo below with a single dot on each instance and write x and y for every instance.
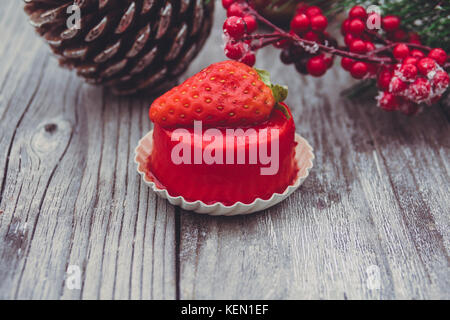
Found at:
(376, 202)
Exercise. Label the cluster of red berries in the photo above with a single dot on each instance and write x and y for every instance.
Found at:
(408, 74)
(308, 23)
(416, 80)
(236, 26)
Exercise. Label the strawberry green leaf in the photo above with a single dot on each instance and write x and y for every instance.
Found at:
(279, 92)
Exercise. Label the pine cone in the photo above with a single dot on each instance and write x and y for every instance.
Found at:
(123, 44)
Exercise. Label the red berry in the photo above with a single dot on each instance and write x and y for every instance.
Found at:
(401, 51)
(347, 63)
(319, 22)
(358, 12)
(227, 3)
(234, 50)
(313, 11)
(251, 23)
(425, 65)
(440, 81)
(356, 27)
(384, 79)
(345, 27)
(419, 90)
(235, 9)
(358, 46)
(414, 38)
(417, 54)
(316, 66)
(369, 46)
(300, 23)
(311, 36)
(408, 71)
(390, 23)
(410, 60)
(387, 101)
(359, 70)
(329, 60)
(235, 27)
(398, 35)
(397, 86)
(438, 55)
(349, 38)
(249, 59)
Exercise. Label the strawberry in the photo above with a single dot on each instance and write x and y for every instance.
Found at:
(227, 93)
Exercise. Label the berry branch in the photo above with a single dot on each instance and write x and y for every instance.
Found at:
(409, 74)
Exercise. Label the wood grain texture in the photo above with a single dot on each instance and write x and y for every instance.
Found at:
(70, 195)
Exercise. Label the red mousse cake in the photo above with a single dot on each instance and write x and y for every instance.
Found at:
(225, 136)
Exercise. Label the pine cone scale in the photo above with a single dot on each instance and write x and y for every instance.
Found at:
(127, 45)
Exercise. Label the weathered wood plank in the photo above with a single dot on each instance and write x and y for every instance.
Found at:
(70, 193)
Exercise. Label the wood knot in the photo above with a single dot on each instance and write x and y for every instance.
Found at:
(50, 128)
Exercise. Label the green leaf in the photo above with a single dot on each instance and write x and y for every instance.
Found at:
(265, 77)
(279, 92)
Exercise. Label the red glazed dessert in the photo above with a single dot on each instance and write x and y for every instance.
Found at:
(241, 145)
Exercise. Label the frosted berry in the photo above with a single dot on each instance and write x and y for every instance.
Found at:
(440, 81)
(358, 12)
(401, 51)
(249, 59)
(390, 23)
(316, 66)
(397, 86)
(387, 101)
(235, 50)
(235, 9)
(235, 27)
(408, 71)
(347, 63)
(313, 11)
(356, 27)
(358, 46)
(419, 90)
(300, 23)
(425, 65)
(359, 70)
(438, 55)
(319, 22)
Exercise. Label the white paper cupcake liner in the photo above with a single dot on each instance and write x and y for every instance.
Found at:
(303, 155)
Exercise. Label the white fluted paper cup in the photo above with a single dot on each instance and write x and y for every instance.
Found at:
(303, 155)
